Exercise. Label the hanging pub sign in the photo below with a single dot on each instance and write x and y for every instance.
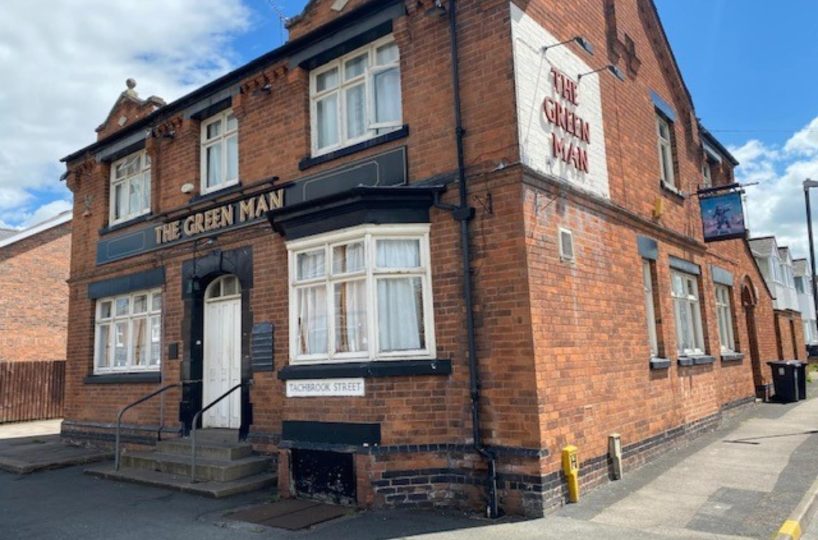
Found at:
(722, 216)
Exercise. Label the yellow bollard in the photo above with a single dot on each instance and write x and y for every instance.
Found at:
(570, 466)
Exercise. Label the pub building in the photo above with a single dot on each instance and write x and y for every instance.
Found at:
(421, 248)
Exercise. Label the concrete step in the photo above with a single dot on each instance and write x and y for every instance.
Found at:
(206, 468)
(205, 449)
(211, 489)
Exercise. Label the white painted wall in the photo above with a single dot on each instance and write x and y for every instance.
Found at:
(533, 82)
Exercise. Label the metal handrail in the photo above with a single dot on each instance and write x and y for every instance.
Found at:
(134, 404)
(196, 418)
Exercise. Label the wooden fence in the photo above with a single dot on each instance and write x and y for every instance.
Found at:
(31, 390)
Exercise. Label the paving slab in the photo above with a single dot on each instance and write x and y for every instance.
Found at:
(743, 480)
(25, 455)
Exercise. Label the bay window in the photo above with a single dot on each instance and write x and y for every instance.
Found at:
(724, 317)
(128, 332)
(687, 314)
(356, 97)
(361, 294)
(220, 152)
(130, 188)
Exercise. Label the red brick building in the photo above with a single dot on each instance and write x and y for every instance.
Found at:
(442, 241)
(34, 268)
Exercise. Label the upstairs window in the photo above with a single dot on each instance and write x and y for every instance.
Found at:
(664, 133)
(128, 332)
(130, 188)
(220, 152)
(356, 97)
(799, 284)
(707, 176)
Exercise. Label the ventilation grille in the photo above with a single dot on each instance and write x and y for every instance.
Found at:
(566, 245)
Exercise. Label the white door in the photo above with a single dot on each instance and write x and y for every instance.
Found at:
(222, 352)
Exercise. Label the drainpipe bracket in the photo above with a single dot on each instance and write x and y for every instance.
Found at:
(463, 213)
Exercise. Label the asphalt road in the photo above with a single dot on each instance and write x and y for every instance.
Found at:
(739, 481)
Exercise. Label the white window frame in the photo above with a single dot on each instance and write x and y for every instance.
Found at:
(693, 305)
(222, 139)
(143, 170)
(724, 318)
(367, 234)
(371, 128)
(707, 174)
(777, 270)
(650, 307)
(665, 147)
(128, 318)
(799, 279)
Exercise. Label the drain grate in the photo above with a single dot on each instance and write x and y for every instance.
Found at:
(290, 514)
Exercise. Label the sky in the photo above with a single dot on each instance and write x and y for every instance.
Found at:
(749, 65)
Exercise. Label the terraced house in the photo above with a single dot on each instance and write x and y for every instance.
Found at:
(411, 255)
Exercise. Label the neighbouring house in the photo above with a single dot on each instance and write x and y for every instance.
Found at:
(34, 269)
(806, 304)
(776, 266)
(421, 248)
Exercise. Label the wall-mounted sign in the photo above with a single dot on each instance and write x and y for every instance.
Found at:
(722, 216)
(559, 114)
(326, 387)
(572, 130)
(225, 216)
(385, 169)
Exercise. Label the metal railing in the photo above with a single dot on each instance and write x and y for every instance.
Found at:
(133, 404)
(195, 423)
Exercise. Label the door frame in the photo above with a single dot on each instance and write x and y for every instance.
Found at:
(207, 303)
(749, 301)
(197, 273)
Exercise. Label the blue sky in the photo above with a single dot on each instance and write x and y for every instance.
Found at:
(749, 64)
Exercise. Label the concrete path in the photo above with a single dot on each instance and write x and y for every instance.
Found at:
(744, 481)
(740, 481)
(26, 447)
(30, 429)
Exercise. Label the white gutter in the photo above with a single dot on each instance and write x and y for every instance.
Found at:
(59, 219)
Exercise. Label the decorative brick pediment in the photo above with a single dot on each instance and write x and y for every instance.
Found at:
(127, 109)
(320, 12)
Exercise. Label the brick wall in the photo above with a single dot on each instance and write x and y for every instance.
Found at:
(34, 302)
(562, 347)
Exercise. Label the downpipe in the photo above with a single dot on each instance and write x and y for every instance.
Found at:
(464, 214)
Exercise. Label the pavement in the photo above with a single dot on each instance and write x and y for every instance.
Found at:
(741, 481)
(26, 447)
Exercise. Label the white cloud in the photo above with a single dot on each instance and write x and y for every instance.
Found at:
(24, 219)
(805, 142)
(776, 205)
(64, 66)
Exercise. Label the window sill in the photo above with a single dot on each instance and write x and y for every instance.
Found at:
(399, 133)
(672, 190)
(125, 224)
(382, 368)
(687, 361)
(124, 378)
(732, 357)
(659, 363)
(215, 193)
